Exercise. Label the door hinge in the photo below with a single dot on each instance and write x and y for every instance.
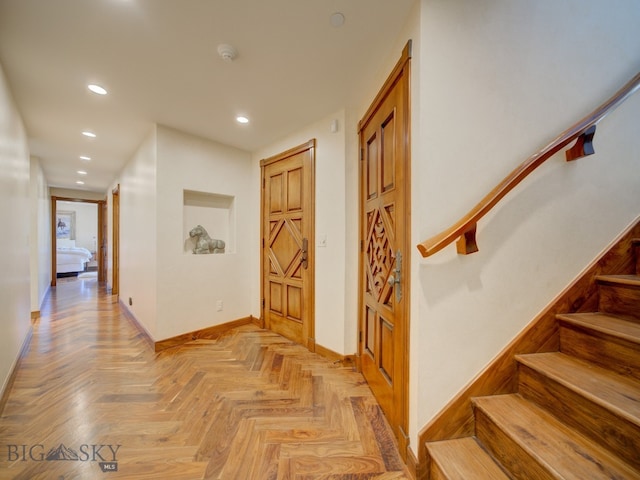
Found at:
(263, 243)
(362, 245)
(360, 336)
(263, 303)
(361, 154)
(264, 182)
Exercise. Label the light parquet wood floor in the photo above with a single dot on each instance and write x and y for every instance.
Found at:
(249, 405)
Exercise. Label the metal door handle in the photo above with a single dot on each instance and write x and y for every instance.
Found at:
(394, 279)
(305, 253)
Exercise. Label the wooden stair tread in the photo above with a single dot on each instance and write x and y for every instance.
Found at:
(626, 280)
(564, 453)
(614, 392)
(464, 459)
(604, 323)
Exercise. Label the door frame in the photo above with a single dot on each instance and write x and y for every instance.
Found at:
(104, 247)
(54, 240)
(401, 72)
(311, 146)
(115, 237)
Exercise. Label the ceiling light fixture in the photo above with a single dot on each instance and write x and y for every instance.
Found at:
(97, 89)
(80, 182)
(87, 133)
(242, 119)
(84, 157)
(336, 19)
(81, 172)
(228, 53)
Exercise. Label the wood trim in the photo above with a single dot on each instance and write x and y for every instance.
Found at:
(136, 324)
(289, 153)
(344, 360)
(209, 332)
(52, 219)
(456, 419)
(14, 371)
(102, 271)
(35, 315)
(412, 463)
(54, 243)
(115, 240)
(311, 207)
(388, 84)
(582, 132)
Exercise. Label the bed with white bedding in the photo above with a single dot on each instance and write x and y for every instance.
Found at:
(70, 258)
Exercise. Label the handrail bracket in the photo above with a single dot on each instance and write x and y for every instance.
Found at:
(583, 145)
(467, 244)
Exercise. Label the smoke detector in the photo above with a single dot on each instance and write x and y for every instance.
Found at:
(227, 52)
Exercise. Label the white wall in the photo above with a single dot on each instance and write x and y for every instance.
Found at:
(40, 239)
(492, 82)
(15, 290)
(190, 286)
(330, 260)
(138, 234)
(497, 81)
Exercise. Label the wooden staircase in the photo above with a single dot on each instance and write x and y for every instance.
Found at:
(576, 413)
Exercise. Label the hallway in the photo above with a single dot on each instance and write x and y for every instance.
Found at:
(91, 399)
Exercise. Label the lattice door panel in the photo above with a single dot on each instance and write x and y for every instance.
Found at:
(380, 256)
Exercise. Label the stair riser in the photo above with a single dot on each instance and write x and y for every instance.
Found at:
(512, 456)
(636, 252)
(619, 300)
(462, 459)
(608, 352)
(617, 434)
(436, 474)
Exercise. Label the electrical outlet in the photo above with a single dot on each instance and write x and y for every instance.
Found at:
(219, 305)
(130, 301)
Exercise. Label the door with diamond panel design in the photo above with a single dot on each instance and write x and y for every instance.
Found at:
(287, 243)
(384, 232)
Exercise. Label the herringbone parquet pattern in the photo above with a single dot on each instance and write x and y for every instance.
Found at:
(249, 405)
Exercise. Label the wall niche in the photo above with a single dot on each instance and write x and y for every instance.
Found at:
(215, 212)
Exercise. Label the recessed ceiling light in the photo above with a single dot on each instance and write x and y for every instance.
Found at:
(86, 133)
(80, 182)
(242, 119)
(97, 89)
(84, 157)
(81, 172)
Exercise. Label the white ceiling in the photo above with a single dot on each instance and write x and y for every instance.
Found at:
(158, 60)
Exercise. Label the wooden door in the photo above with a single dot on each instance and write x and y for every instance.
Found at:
(384, 258)
(287, 243)
(54, 243)
(102, 241)
(115, 242)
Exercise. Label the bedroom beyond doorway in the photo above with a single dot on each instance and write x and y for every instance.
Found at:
(77, 236)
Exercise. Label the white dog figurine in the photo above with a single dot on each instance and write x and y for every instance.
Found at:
(204, 243)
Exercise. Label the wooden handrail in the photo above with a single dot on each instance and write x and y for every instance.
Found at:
(582, 132)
